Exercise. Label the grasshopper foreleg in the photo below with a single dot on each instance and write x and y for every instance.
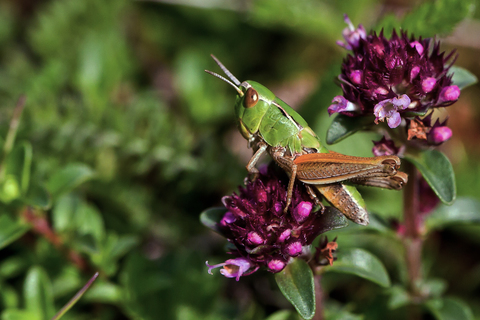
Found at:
(251, 166)
(291, 183)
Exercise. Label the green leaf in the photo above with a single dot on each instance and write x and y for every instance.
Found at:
(438, 172)
(449, 309)
(464, 210)
(68, 178)
(212, 216)
(342, 315)
(332, 219)
(89, 221)
(105, 292)
(9, 189)
(16, 314)
(297, 285)
(63, 213)
(283, 315)
(344, 126)
(38, 197)
(18, 164)
(462, 77)
(9, 297)
(13, 266)
(399, 297)
(38, 293)
(437, 17)
(10, 230)
(361, 263)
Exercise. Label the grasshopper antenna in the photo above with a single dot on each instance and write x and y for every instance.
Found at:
(226, 80)
(226, 71)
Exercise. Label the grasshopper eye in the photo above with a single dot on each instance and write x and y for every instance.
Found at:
(251, 98)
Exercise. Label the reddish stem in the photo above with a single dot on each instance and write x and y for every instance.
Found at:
(42, 227)
(318, 298)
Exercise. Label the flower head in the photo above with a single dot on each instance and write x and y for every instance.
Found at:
(261, 233)
(392, 77)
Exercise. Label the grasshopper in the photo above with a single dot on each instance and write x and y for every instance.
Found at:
(271, 126)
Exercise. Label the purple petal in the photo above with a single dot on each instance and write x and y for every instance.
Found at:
(227, 218)
(232, 268)
(340, 104)
(394, 120)
(418, 46)
(402, 102)
(414, 73)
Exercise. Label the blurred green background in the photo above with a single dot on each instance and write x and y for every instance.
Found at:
(133, 139)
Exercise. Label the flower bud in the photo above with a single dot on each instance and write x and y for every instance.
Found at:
(294, 248)
(255, 238)
(302, 211)
(450, 93)
(428, 84)
(356, 76)
(276, 265)
(284, 236)
(439, 135)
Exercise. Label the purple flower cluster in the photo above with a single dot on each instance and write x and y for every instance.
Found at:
(261, 233)
(393, 79)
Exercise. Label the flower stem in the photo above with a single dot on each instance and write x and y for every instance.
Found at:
(413, 241)
(318, 298)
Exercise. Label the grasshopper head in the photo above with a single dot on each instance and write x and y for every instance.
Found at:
(252, 102)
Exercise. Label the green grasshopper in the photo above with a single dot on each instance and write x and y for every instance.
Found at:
(271, 126)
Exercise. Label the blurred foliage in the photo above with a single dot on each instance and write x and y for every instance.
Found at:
(124, 140)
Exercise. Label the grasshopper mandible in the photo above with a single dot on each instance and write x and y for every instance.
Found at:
(271, 126)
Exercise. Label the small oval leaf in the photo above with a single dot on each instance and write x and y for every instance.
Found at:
(18, 164)
(10, 230)
(361, 263)
(464, 210)
(344, 126)
(330, 219)
(68, 178)
(38, 293)
(449, 309)
(297, 285)
(38, 197)
(438, 172)
(462, 77)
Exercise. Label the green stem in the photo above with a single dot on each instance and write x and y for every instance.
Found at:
(75, 298)
(12, 130)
